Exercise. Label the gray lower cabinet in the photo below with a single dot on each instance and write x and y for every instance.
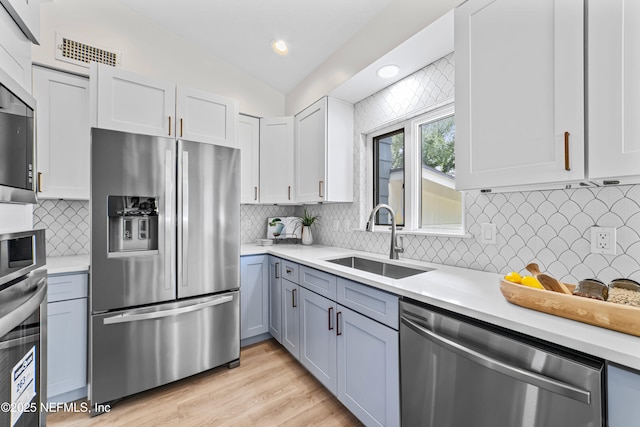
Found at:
(254, 296)
(275, 298)
(368, 368)
(291, 317)
(623, 394)
(318, 337)
(67, 337)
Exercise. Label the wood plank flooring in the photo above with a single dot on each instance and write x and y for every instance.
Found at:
(269, 388)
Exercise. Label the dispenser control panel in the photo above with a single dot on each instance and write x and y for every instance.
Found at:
(133, 223)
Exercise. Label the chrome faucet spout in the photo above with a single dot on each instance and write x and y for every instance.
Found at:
(394, 249)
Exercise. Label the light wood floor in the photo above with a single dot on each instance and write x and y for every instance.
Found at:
(269, 388)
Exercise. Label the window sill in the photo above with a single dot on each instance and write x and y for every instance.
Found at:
(387, 230)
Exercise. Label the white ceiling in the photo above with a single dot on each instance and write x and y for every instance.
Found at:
(241, 31)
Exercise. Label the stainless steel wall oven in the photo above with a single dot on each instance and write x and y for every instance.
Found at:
(22, 328)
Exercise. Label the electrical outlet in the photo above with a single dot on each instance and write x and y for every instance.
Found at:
(603, 240)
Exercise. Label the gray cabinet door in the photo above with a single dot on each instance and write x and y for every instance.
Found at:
(254, 296)
(623, 386)
(291, 317)
(67, 347)
(318, 337)
(368, 368)
(275, 298)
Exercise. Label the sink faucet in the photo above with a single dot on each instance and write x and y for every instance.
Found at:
(395, 249)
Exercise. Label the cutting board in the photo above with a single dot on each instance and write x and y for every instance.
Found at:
(617, 317)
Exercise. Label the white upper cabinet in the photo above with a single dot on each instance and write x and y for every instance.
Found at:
(129, 102)
(614, 91)
(63, 134)
(276, 160)
(26, 14)
(324, 152)
(15, 51)
(519, 93)
(205, 117)
(249, 143)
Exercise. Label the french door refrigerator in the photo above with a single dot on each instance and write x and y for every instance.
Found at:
(165, 274)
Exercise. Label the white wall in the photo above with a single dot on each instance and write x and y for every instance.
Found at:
(394, 25)
(149, 49)
(15, 217)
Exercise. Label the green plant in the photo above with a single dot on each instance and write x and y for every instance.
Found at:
(309, 220)
(274, 221)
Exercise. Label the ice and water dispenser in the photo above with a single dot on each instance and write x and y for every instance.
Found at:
(133, 224)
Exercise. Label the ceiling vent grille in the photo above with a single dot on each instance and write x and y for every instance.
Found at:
(82, 54)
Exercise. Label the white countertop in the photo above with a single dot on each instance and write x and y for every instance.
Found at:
(473, 293)
(67, 264)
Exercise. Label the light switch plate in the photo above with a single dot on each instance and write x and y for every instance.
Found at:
(488, 233)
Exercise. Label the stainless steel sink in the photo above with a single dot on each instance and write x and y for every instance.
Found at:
(386, 269)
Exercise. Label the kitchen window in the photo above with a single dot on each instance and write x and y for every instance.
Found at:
(414, 173)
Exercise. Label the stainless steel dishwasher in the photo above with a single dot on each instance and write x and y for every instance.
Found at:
(456, 372)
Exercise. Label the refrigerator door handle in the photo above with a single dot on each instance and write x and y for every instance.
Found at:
(185, 217)
(169, 232)
(125, 318)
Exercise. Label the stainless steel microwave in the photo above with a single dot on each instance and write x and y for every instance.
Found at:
(17, 143)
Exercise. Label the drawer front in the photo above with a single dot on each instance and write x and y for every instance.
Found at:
(67, 286)
(371, 302)
(318, 282)
(290, 271)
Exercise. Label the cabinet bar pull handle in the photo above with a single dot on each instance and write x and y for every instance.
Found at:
(181, 127)
(255, 193)
(338, 318)
(293, 298)
(289, 192)
(566, 151)
(169, 125)
(321, 188)
(39, 182)
(330, 318)
(277, 269)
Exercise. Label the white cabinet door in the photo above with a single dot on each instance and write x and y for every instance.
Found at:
(205, 117)
(623, 392)
(614, 91)
(275, 298)
(15, 52)
(318, 337)
(368, 369)
(129, 102)
(249, 143)
(63, 134)
(324, 152)
(276, 160)
(254, 296)
(291, 317)
(26, 14)
(519, 93)
(311, 135)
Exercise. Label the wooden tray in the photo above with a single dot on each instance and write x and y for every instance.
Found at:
(618, 317)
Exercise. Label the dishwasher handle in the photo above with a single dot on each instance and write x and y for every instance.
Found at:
(549, 384)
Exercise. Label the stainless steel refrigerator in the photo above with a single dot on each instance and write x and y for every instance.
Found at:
(165, 253)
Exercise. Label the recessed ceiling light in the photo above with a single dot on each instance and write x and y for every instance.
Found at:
(280, 47)
(388, 71)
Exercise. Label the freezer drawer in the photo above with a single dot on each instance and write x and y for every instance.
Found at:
(140, 349)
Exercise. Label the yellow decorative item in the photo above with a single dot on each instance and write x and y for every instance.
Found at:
(513, 277)
(532, 282)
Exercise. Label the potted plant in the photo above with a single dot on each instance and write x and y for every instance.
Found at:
(277, 223)
(307, 221)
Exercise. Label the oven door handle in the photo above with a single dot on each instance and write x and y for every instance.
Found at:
(124, 318)
(30, 306)
(541, 381)
(19, 341)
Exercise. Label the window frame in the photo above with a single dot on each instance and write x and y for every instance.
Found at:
(412, 169)
(376, 171)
